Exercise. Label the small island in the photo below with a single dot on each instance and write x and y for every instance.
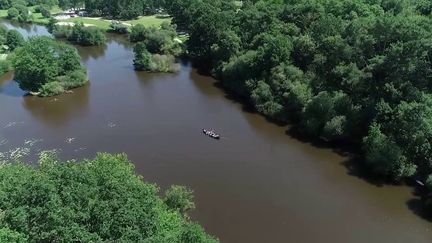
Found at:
(45, 67)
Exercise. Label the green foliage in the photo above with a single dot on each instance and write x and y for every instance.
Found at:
(11, 236)
(51, 89)
(98, 200)
(86, 36)
(145, 61)
(4, 66)
(14, 39)
(42, 61)
(12, 13)
(45, 11)
(159, 41)
(385, 156)
(118, 27)
(179, 198)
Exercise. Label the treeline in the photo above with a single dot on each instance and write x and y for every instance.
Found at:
(344, 70)
(118, 9)
(97, 200)
(6, 4)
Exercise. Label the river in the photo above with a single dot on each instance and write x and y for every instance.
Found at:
(256, 184)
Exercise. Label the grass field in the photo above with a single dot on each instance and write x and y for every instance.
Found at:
(3, 13)
(153, 20)
(100, 23)
(104, 24)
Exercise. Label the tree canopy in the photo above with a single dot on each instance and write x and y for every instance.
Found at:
(97, 200)
(48, 67)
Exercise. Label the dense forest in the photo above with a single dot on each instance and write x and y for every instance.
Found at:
(345, 71)
(119, 9)
(98, 200)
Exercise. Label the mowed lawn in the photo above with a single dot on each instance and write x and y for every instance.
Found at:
(100, 23)
(152, 20)
(3, 13)
(104, 24)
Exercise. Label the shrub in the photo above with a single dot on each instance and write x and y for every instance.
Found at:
(14, 39)
(61, 31)
(86, 36)
(51, 89)
(75, 79)
(4, 66)
(118, 27)
(12, 13)
(45, 12)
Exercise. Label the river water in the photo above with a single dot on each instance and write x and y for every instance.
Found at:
(256, 184)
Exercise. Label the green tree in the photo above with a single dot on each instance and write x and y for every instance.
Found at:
(180, 199)
(95, 200)
(12, 13)
(14, 39)
(41, 61)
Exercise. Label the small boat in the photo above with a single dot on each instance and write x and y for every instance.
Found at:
(211, 134)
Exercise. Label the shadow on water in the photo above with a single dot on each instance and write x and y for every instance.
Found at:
(417, 204)
(59, 110)
(10, 88)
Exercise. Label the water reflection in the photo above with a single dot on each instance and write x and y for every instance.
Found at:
(94, 52)
(59, 110)
(25, 29)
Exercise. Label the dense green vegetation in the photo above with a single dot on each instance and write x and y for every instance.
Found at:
(78, 33)
(344, 70)
(156, 49)
(47, 67)
(98, 200)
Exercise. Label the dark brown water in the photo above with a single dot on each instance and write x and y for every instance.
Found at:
(254, 185)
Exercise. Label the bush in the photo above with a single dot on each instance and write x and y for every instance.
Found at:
(75, 79)
(14, 39)
(118, 27)
(46, 13)
(4, 66)
(61, 31)
(86, 36)
(160, 41)
(23, 15)
(12, 13)
(145, 61)
(179, 198)
(51, 89)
